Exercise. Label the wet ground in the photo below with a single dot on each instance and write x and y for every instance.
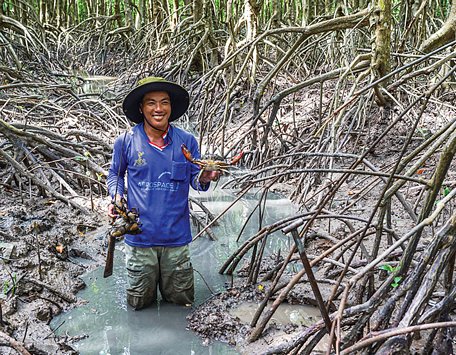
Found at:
(112, 327)
(50, 252)
(109, 326)
(51, 281)
(45, 248)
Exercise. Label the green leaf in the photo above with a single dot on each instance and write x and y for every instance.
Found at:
(446, 190)
(386, 267)
(5, 287)
(80, 158)
(397, 279)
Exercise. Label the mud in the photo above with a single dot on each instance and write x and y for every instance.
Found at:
(226, 316)
(45, 247)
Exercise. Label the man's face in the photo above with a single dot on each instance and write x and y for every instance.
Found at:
(156, 108)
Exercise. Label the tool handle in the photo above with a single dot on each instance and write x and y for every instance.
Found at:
(110, 256)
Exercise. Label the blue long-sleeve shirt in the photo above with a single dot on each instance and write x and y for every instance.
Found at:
(158, 184)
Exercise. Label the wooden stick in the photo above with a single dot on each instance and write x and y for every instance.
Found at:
(388, 333)
(13, 343)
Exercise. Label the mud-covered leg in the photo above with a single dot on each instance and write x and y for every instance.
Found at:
(143, 270)
(176, 282)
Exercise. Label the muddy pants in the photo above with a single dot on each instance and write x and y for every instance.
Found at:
(168, 267)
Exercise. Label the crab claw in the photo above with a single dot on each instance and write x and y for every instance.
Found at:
(237, 158)
(187, 153)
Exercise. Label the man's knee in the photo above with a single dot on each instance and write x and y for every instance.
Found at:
(139, 302)
(142, 288)
(142, 271)
(178, 285)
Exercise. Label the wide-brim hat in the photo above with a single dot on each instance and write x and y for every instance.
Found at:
(180, 98)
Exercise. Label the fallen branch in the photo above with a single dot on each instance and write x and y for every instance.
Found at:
(63, 296)
(388, 333)
(38, 182)
(13, 343)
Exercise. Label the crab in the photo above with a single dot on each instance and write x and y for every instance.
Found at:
(211, 165)
(128, 221)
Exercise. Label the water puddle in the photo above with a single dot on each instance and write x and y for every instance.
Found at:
(284, 315)
(113, 328)
(298, 315)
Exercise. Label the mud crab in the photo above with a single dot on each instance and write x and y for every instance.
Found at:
(211, 165)
(128, 221)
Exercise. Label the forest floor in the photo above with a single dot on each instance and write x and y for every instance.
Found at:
(46, 247)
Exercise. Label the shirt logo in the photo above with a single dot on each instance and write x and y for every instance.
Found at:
(160, 184)
(140, 161)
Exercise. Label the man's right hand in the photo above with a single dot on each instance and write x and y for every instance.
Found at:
(112, 213)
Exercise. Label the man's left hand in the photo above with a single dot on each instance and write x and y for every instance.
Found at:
(208, 176)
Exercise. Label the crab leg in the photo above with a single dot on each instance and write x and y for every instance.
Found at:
(187, 154)
(236, 158)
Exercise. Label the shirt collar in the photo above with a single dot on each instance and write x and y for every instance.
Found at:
(166, 135)
(166, 138)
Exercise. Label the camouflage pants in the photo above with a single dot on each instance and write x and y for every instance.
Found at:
(169, 268)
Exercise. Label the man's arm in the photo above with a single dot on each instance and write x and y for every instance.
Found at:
(116, 187)
(116, 173)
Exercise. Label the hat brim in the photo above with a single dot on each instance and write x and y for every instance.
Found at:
(179, 97)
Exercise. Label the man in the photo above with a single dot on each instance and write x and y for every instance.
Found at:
(158, 177)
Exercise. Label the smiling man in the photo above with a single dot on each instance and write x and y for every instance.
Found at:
(159, 177)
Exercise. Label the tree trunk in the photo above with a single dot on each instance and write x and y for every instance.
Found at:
(443, 36)
(174, 14)
(117, 12)
(381, 45)
(128, 14)
(197, 10)
(251, 15)
(157, 12)
(140, 15)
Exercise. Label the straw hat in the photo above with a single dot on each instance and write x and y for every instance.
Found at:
(180, 99)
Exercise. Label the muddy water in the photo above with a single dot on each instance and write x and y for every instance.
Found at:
(285, 314)
(95, 85)
(114, 328)
(300, 315)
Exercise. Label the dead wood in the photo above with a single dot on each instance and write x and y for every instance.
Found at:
(13, 343)
(445, 34)
(52, 289)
